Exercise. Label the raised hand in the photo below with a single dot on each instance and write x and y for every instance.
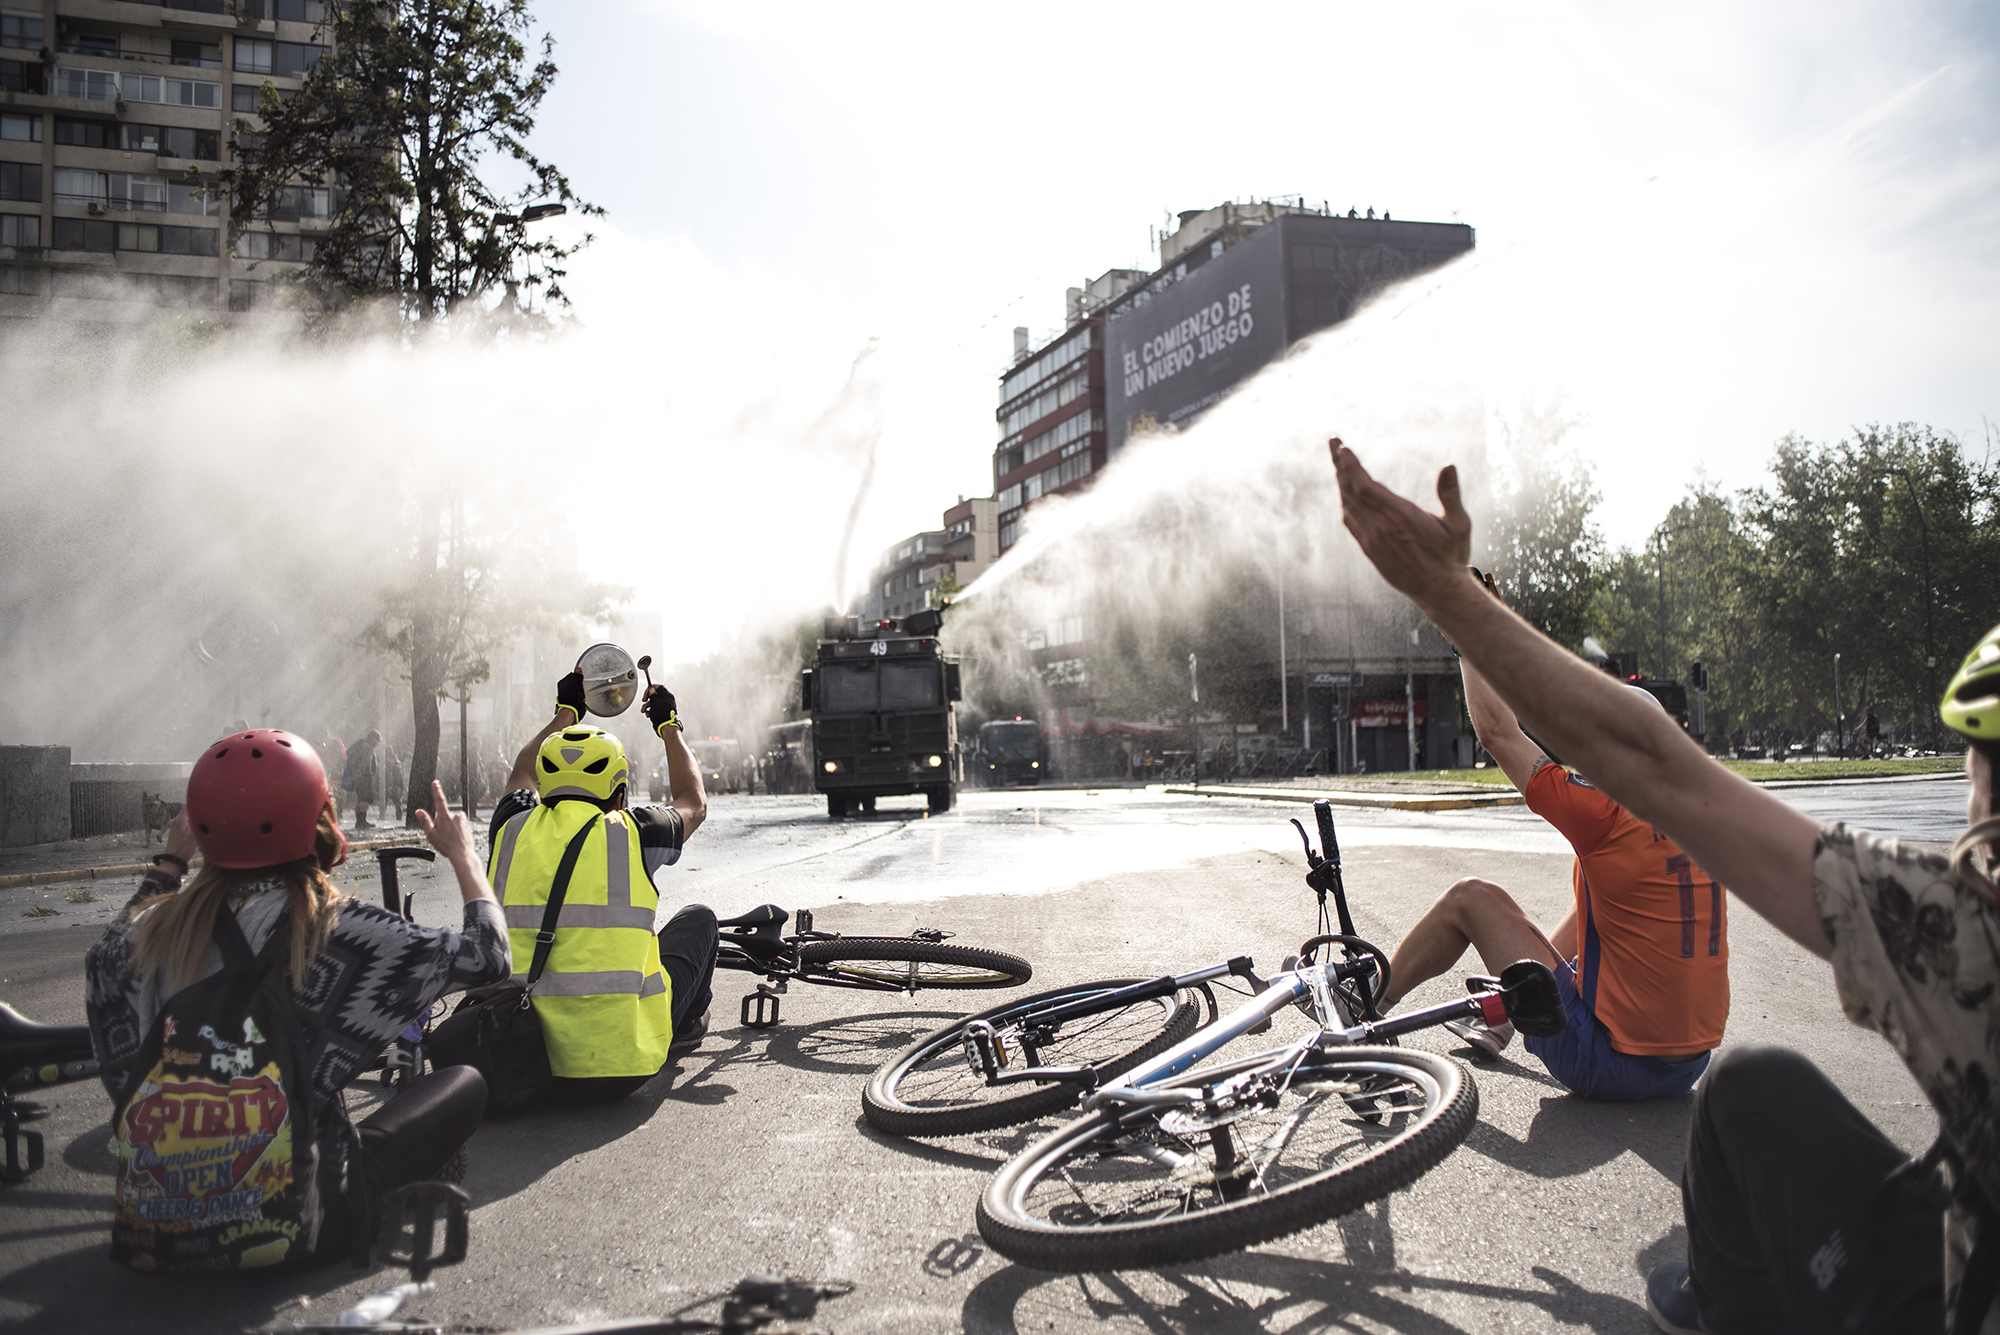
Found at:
(1417, 552)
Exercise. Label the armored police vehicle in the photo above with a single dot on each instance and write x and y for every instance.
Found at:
(880, 697)
(1010, 752)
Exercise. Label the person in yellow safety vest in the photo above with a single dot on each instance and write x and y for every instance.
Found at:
(617, 1003)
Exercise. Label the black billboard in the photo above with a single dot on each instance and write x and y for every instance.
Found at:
(1193, 332)
(1194, 338)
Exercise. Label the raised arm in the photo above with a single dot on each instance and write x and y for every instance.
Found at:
(569, 710)
(1755, 844)
(1499, 732)
(684, 788)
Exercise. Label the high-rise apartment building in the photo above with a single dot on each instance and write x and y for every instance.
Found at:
(115, 119)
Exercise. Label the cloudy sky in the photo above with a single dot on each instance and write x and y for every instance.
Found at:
(1699, 226)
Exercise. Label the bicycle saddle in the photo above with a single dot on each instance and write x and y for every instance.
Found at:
(766, 920)
(23, 1042)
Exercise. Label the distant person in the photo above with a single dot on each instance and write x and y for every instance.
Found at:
(1801, 1215)
(1641, 958)
(617, 1003)
(261, 814)
(361, 776)
(392, 784)
(1871, 728)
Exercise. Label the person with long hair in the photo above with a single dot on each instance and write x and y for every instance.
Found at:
(261, 816)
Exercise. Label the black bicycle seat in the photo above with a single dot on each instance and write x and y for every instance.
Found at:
(766, 920)
(23, 1042)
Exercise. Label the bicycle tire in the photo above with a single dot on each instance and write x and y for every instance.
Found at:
(930, 1088)
(1039, 1209)
(927, 964)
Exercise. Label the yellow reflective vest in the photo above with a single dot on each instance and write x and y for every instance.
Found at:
(605, 1005)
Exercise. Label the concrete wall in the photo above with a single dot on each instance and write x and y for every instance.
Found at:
(34, 795)
(105, 799)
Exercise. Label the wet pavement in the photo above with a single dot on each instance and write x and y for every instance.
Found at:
(751, 1154)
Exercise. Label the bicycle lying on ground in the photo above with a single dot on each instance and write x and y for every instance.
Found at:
(32, 1056)
(755, 943)
(1175, 1161)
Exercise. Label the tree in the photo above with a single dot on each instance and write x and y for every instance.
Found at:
(413, 100)
(1545, 553)
(463, 593)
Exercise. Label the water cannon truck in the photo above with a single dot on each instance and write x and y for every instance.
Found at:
(881, 697)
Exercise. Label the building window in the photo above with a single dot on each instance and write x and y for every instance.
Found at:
(21, 32)
(87, 284)
(25, 128)
(21, 180)
(1050, 362)
(247, 97)
(285, 60)
(172, 141)
(275, 246)
(142, 194)
(1009, 528)
(82, 42)
(85, 234)
(302, 11)
(74, 186)
(171, 92)
(78, 133)
(248, 295)
(20, 229)
(196, 199)
(149, 239)
(21, 76)
(201, 55)
(19, 281)
(297, 203)
(90, 85)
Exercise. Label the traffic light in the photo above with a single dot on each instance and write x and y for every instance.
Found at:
(1698, 677)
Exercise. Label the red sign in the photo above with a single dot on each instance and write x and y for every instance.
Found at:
(1385, 713)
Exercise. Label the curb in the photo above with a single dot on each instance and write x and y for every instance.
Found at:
(413, 838)
(1371, 801)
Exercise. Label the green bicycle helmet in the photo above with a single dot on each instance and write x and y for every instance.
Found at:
(582, 762)
(1971, 704)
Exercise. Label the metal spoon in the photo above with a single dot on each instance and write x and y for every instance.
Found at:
(645, 662)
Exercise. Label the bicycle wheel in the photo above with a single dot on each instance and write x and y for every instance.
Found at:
(1268, 1150)
(908, 964)
(932, 1089)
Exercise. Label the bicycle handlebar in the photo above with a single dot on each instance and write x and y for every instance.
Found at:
(385, 860)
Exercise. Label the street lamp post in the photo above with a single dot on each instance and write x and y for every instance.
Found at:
(487, 258)
(1665, 531)
(1930, 646)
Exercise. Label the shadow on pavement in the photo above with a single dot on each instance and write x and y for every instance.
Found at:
(1570, 1136)
(1257, 1292)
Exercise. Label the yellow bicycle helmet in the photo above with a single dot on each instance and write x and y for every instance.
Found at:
(581, 762)
(1971, 704)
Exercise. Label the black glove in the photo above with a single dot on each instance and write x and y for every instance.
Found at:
(569, 694)
(658, 706)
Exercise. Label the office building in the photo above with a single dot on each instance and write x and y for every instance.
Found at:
(115, 121)
(922, 569)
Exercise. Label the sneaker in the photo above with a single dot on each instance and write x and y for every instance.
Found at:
(1487, 1041)
(689, 1038)
(1670, 1299)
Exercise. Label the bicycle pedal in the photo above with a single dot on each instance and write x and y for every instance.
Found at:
(760, 1008)
(16, 1138)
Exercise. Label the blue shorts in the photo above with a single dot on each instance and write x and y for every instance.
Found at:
(1582, 1058)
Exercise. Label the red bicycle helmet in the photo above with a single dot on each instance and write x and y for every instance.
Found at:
(254, 800)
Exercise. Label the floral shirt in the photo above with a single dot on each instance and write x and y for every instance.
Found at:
(1916, 957)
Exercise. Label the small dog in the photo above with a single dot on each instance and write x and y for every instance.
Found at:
(157, 815)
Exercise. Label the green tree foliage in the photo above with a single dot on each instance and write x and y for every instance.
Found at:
(1545, 554)
(1829, 557)
(416, 100)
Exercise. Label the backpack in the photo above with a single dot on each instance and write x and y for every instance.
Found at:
(218, 1161)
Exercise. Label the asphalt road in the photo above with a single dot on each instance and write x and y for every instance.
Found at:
(752, 1155)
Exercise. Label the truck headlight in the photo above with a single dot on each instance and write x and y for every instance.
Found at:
(1034, 764)
(832, 767)
(934, 761)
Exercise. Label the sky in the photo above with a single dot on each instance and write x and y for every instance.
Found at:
(1699, 227)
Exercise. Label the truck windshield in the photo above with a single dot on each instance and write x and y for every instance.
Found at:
(1016, 741)
(847, 688)
(911, 685)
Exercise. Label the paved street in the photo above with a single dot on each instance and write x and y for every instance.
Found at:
(753, 1155)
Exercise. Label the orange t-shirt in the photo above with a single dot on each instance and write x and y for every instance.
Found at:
(1652, 947)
